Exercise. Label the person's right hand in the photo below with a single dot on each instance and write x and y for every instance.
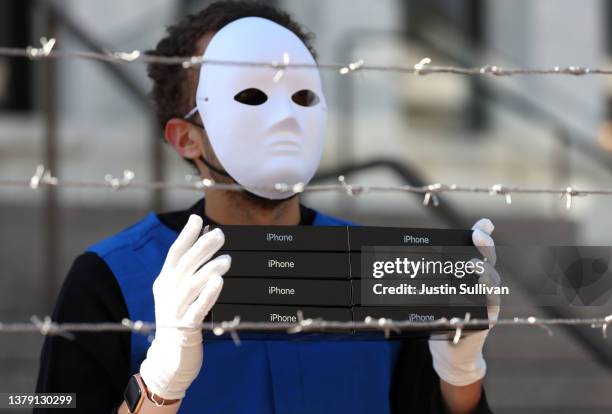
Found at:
(183, 296)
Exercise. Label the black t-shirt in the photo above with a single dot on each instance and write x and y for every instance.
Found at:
(96, 365)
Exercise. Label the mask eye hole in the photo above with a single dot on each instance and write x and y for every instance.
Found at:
(305, 97)
(251, 96)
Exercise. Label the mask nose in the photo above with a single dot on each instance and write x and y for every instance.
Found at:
(283, 118)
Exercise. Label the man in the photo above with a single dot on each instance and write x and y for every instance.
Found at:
(257, 127)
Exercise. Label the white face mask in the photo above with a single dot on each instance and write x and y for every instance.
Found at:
(266, 126)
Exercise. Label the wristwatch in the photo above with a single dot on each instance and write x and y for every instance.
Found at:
(137, 399)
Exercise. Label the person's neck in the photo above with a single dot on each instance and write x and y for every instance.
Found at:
(227, 207)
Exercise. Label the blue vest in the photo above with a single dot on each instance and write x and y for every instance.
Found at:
(259, 376)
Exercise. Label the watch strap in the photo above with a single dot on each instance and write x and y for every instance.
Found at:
(155, 407)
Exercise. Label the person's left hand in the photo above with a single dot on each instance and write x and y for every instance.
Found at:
(462, 363)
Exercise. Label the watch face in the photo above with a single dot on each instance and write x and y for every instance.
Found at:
(132, 395)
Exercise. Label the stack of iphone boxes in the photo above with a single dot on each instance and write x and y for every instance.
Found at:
(278, 272)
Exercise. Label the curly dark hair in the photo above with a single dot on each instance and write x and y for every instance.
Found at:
(173, 90)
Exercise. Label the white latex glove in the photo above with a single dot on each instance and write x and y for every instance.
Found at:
(183, 296)
(462, 363)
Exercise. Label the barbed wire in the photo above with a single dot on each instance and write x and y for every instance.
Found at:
(423, 67)
(47, 327)
(42, 177)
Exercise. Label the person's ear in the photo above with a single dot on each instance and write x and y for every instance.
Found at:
(185, 138)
